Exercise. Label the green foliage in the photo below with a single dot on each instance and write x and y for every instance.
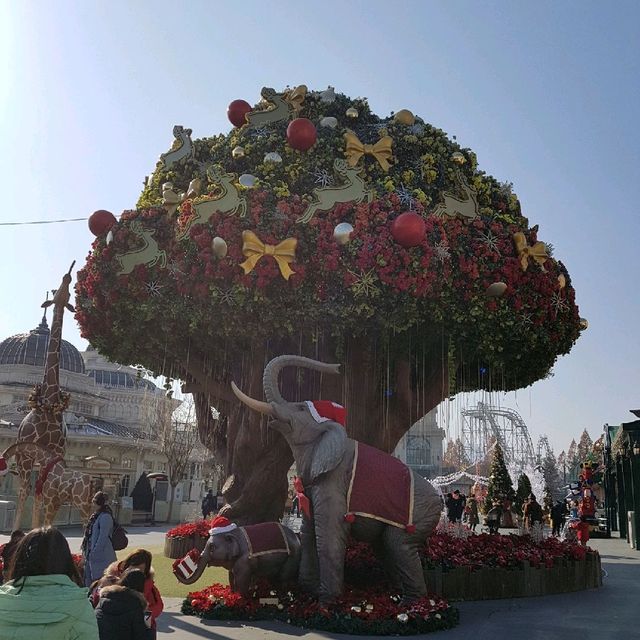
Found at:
(500, 487)
(522, 492)
(547, 500)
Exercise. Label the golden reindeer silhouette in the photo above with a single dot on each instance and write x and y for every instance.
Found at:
(453, 205)
(354, 190)
(184, 148)
(148, 254)
(280, 111)
(228, 202)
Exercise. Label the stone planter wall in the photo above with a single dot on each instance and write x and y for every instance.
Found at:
(491, 583)
(179, 547)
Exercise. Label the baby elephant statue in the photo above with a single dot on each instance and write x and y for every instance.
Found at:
(268, 550)
(349, 489)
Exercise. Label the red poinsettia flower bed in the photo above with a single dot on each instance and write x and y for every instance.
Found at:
(197, 528)
(357, 612)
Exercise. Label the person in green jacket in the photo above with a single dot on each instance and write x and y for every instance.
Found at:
(43, 597)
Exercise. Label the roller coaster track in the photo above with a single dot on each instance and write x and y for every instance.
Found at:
(484, 424)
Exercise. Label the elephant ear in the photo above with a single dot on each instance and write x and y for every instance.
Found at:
(329, 449)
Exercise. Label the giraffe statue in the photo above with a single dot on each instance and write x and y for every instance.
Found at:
(44, 424)
(55, 484)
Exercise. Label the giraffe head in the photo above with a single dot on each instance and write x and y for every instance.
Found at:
(62, 295)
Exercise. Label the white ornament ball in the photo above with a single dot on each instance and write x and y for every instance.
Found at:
(219, 247)
(247, 180)
(110, 236)
(273, 156)
(329, 121)
(342, 232)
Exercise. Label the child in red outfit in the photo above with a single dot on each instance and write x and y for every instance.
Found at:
(139, 559)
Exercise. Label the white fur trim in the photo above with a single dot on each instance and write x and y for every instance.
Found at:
(217, 530)
(314, 412)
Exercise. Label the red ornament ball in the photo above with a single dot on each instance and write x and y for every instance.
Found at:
(301, 134)
(237, 111)
(101, 221)
(194, 603)
(408, 229)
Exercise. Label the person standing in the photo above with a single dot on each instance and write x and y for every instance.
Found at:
(208, 504)
(532, 512)
(472, 512)
(455, 506)
(97, 548)
(43, 597)
(558, 516)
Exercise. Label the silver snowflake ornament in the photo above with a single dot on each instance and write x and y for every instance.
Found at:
(322, 177)
(174, 269)
(227, 296)
(406, 197)
(558, 303)
(259, 132)
(526, 320)
(365, 284)
(441, 251)
(490, 240)
(154, 288)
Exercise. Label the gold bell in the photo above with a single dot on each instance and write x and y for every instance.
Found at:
(458, 157)
(351, 112)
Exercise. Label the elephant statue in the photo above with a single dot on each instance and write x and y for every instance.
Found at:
(351, 489)
(268, 550)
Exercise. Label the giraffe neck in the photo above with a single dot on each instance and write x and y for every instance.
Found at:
(51, 382)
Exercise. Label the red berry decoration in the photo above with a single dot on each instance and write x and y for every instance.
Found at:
(301, 134)
(237, 111)
(101, 221)
(408, 229)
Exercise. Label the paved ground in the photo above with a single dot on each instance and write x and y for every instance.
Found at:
(609, 613)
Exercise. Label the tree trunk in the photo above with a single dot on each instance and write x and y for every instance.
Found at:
(384, 397)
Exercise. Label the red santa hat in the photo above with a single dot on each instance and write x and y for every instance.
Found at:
(220, 524)
(324, 410)
(4, 469)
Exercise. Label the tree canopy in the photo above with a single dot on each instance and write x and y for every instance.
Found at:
(383, 246)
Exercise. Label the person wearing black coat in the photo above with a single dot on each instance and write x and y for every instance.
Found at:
(122, 610)
(559, 513)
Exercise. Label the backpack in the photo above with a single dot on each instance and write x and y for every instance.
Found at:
(119, 538)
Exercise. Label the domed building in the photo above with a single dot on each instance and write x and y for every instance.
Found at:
(107, 421)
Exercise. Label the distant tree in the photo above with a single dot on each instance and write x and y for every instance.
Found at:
(572, 461)
(176, 433)
(584, 446)
(500, 486)
(562, 466)
(455, 455)
(141, 494)
(522, 492)
(552, 474)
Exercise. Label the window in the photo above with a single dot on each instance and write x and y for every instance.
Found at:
(418, 450)
(124, 485)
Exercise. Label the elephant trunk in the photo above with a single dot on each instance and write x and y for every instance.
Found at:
(273, 368)
(202, 565)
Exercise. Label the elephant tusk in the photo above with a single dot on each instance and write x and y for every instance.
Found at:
(252, 403)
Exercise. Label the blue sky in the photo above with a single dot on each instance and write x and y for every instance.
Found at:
(545, 93)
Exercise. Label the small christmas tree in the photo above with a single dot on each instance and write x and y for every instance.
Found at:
(522, 492)
(500, 487)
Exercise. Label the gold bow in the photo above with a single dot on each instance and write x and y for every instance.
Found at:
(381, 150)
(253, 248)
(537, 251)
(295, 97)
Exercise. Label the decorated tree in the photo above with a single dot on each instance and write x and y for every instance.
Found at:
(500, 487)
(522, 492)
(316, 227)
